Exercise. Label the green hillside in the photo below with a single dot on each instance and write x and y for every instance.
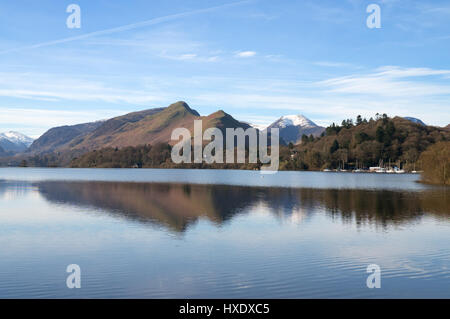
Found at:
(365, 143)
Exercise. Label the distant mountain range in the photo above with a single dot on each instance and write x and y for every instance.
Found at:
(14, 142)
(150, 126)
(155, 126)
(292, 127)
(133, 129)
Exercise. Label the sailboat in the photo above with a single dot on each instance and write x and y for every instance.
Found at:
(357, 169)
(380, 168)
(390, 170)
(399, 170)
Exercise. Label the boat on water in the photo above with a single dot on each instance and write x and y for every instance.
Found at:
(359, 168)
(388, 170)
(373, 169)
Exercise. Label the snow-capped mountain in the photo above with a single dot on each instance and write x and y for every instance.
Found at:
(294, 120)
(414, 120)
(258, 126)
(292, 127)
(14, 142)
(17, 137)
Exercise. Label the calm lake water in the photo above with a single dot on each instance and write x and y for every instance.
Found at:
(147, 233)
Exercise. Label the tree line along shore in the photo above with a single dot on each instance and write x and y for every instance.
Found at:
(352, 145)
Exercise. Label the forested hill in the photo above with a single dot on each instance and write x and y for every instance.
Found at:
(363, 143)
(352, 144)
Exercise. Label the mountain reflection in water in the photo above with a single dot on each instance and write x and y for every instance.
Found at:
(176, 206)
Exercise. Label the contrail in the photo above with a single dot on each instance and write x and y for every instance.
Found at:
(127, 27)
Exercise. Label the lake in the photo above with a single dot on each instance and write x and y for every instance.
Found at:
(157, 233)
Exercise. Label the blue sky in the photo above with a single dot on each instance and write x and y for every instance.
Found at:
(257, 60)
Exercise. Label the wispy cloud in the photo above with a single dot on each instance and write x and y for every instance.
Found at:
(264, 16)
(390, 82)
(127, 27)
(395, 71)
(334, 64)
(165, 43)
(48, 87)
(443, 10)
(245, 54)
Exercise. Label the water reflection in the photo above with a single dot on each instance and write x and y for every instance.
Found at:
(178, 205)
(256, 253)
